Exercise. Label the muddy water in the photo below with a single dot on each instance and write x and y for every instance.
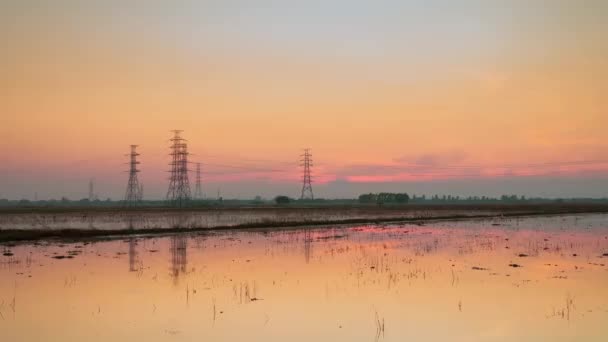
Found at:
(161, 219)
(503, 280)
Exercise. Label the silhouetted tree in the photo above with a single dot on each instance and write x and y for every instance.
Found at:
(281, 200)
(367, 198)
(384, 197)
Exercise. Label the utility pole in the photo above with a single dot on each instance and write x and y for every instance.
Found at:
(178, 194)
(306, 178)
(132, 197)
(198, 192)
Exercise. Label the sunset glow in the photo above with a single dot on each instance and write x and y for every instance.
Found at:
(388, 92)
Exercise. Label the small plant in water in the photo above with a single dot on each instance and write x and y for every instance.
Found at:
(379, 327)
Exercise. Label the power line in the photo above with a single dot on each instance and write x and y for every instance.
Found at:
(249, 160)
(246, 167)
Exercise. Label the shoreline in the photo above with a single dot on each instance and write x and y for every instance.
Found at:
(32, 235)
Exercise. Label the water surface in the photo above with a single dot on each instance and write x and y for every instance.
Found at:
(501, 280)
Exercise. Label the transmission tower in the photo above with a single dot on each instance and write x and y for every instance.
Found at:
(132, 197)
(92, 190)
(306, 179)
(178, 194)
(198, 192)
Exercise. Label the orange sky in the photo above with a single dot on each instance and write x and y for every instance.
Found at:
(434, 90)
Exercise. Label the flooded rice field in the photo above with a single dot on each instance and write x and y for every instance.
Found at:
(211, 218)
(520, 279)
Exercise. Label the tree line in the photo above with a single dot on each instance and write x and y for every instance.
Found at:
(384, 197)
(387, 198)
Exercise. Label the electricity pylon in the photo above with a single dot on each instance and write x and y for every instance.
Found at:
(306, 178)
(132, 197)
(178, 194)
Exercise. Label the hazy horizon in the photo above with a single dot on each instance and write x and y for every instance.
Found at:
(425, 97)
(545, 187)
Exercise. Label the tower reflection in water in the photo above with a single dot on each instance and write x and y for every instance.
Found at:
(179, 257)
(135, 264)
(307, 245)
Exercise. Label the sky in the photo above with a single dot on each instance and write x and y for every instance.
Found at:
(426, 97)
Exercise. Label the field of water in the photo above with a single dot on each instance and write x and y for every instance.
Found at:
(520, 279)
(113, 219)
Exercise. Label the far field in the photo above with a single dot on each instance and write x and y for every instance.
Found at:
(27, 224)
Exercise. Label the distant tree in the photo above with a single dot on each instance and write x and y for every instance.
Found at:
(384, 197)
(402, 198)
(282, 200)
(368, 198)
(24, 203)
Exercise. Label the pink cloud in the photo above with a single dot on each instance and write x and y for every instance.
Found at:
(409, 173)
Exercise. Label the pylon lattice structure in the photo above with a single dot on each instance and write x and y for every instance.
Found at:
(306, 178)
(178, 194)
(198, 191)
(92, 196)
(132, 196)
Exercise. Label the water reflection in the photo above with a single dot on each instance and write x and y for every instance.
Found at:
(134, 263)
(179, 257)
(307, 245)
(524, 280)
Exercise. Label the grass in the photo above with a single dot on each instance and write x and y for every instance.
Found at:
(379, 327)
